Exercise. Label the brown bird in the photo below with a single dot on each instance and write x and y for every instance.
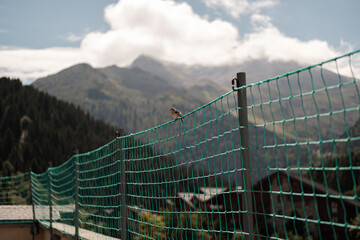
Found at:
(176, 114)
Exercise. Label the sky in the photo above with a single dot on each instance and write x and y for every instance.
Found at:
(42, 37)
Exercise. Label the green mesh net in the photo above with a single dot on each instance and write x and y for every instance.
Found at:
(189, 180)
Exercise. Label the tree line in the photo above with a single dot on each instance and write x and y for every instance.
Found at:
(37, 128)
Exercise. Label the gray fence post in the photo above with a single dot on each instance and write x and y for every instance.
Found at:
(247, 203)
(122, 177)
(76, 213)
(50, 199)
(34, 229)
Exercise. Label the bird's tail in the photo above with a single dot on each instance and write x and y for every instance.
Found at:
(182, 121)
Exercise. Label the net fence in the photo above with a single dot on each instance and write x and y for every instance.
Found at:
(189, 180)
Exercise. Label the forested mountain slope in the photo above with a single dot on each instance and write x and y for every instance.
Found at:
(37, 128)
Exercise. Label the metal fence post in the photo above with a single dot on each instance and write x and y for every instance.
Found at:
(50, 200)
(34, 229)
(247, 219)
(76, 213)
(122, 177)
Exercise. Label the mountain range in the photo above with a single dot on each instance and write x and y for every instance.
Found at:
(148, 88)
(129, 98)
(139, 97)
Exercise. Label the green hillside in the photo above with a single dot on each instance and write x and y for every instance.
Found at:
(127, 97)
(36, 128)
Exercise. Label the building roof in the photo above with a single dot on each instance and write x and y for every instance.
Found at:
(317, 187)
(188, 198)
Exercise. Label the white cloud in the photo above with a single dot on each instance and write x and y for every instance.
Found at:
(268, 43)
(272, 45)
(71, 37)
(168, 31)
(260, 21)
(173, 32)
(28, 64)
(165, 29)
(235, 8)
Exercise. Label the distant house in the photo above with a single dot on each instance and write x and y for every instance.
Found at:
(277, 198)
(281, 195)
(219, 204)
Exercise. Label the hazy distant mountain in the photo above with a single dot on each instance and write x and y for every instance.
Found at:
(124, 97)
(256, 70)
(161, 70)
(302, 96)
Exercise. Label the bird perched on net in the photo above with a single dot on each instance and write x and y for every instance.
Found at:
(176, 114)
